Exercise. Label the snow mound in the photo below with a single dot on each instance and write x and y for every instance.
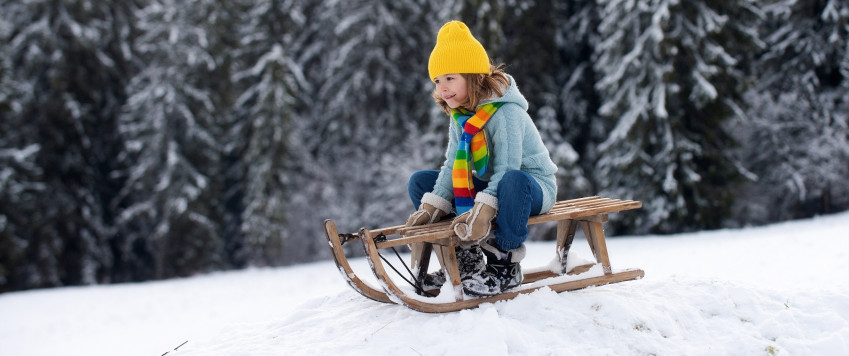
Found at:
(692, 317)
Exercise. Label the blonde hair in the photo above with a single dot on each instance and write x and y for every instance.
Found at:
(480, 87)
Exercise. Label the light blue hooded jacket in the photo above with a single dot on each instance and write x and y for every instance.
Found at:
(513, 143)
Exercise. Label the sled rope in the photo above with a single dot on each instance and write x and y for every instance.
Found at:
(414, 283)
(343, 238)
(175, 349)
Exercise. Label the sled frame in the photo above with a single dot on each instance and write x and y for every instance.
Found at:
(589, 213)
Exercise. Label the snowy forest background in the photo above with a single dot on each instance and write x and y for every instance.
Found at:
(148, 139)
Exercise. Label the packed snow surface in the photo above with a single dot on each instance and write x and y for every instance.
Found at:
(774, 290)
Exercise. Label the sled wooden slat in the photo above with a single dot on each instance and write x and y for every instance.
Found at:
(387, 230)
(588, 213)
(559, 287)
(442, 237)
(569, 209)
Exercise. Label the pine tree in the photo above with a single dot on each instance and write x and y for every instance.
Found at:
(671, 73)
(67, 67)
(20, 177)
(574, 99)
(368, 121)
(169, 222)
(796, 135)
(270, 81)
(18, 190)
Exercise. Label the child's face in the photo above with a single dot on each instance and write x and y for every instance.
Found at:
(452, 89)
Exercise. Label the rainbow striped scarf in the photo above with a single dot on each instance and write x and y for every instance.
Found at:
(472, 147)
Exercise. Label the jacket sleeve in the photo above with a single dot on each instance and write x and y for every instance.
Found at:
(444, 186)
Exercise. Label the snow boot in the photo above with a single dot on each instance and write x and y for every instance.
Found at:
(469, 260)
(502, 271)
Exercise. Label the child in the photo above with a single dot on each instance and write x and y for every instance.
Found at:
(496, 168)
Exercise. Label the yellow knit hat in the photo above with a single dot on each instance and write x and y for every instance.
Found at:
(457, 51)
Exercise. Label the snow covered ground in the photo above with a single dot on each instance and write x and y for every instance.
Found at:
(781, 289)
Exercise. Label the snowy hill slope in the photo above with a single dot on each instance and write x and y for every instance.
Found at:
(781, 289)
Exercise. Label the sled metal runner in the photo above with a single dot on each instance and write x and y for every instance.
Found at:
(589, 213)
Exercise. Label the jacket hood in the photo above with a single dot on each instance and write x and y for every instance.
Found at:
(512, 95)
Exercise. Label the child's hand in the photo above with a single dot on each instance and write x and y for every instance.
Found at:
(474, 224)
(427, 214)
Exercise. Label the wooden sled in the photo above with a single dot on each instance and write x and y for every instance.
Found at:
(588, 213)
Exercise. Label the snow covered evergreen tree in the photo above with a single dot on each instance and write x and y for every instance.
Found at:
(270, 82)
(67, 68)
(797, 132)
(574, 100)
(670, 74)
(170, 208)
(20, 188)
(21, 182)
(368, 124)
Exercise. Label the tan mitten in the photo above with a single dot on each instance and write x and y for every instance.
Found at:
(476, 224)
(432, 209)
